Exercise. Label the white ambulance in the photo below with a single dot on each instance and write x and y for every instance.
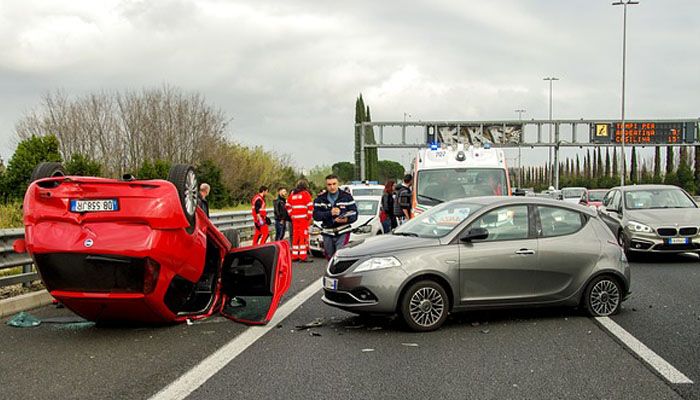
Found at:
(443, 173)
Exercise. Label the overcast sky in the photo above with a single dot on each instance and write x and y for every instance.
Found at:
(288, 72)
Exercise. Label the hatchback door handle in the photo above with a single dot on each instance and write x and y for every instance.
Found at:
(525, 251)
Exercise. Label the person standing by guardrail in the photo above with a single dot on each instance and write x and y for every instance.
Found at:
(281, 215)
(336, 210)
(204, 189)
(260, 219)
(300, 207)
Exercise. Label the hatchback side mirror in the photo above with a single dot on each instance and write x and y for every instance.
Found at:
(475, 234)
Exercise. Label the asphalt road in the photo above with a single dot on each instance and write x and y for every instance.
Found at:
(538, 354)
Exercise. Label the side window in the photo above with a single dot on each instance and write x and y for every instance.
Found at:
(504, 223)
(607, 199)
(615, 203)
(559, 221)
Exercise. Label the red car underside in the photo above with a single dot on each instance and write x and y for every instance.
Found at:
(138, 263)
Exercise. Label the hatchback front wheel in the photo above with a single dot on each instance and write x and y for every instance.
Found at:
(424, 306)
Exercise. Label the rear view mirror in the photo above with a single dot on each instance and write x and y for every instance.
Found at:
(475, 234)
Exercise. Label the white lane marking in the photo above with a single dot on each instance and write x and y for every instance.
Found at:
(662, 366)
(195, 377)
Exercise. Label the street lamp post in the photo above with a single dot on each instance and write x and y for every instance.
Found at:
(520, 167)
(549, 166)
(624, 5)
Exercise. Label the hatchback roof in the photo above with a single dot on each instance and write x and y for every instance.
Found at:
(505, 200)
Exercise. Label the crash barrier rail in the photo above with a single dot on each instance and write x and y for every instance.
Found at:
(242, 221)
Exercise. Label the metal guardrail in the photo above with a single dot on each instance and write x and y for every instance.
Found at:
(241, 221)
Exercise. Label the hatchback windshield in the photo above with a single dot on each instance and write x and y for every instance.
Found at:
(439, 185)
(596, 195)
(439, 221)
(657, 198)
(367, 207)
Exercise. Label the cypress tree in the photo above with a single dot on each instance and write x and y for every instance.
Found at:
(607, 162)
(615, 166)
(578, 167)
(371, 158)
(669, 160)
(633, 165)
(657, 165)
(684, 174)
(697, 170)
(359, 117)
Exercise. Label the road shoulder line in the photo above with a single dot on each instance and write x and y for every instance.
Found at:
(199, 374)
(663, 367)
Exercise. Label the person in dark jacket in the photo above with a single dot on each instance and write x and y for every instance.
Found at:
(403, 200)
(387, 213)
(336, 211)
(281, 216)
(204, 189)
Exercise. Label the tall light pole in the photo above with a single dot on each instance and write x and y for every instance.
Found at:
(522, 132)
(549, 166)
(624, 4)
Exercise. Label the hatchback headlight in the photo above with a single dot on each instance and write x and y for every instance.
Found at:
(638, 227)
(378, 263)
(363, 229)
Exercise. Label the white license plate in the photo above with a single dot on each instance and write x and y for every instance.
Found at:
(330, 283)
(94, 205)
(678, 241)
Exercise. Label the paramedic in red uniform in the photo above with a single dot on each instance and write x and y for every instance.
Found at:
(300, 207)
(260, 218)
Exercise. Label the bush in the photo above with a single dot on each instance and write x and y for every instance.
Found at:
(11, 215)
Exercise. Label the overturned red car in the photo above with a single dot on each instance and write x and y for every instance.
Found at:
(141, 250)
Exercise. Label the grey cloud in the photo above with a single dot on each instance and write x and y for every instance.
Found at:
(288, 72)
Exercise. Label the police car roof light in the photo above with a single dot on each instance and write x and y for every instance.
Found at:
(487, 146)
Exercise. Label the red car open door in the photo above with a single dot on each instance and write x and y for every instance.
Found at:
(253, 280)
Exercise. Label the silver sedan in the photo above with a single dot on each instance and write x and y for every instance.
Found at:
(481, 253)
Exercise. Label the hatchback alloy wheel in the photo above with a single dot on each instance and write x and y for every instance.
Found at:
(424, 306)
(603, 297)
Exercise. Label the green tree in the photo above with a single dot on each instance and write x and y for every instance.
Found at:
(670, 167)
(317, 176)
(345, 170)
(362, 114)
(633, 165)
(80, 164)
(30, 152)
(607, 163)
(208, 172)
(615, 165)
(684, 174)
(657, 165)
(390, 170)
(156, 170)
(697, 170)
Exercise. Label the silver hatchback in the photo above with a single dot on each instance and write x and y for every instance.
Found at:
(481, 253)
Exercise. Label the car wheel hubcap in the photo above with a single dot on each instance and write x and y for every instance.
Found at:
(190, 193)
(426, 306)
(605, 297)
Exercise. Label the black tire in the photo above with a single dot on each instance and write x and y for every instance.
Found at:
(233, 236)
(424, 306)
(185, 181)
(47, 170)
(622, 241)
(603, 296)
(318, 254)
